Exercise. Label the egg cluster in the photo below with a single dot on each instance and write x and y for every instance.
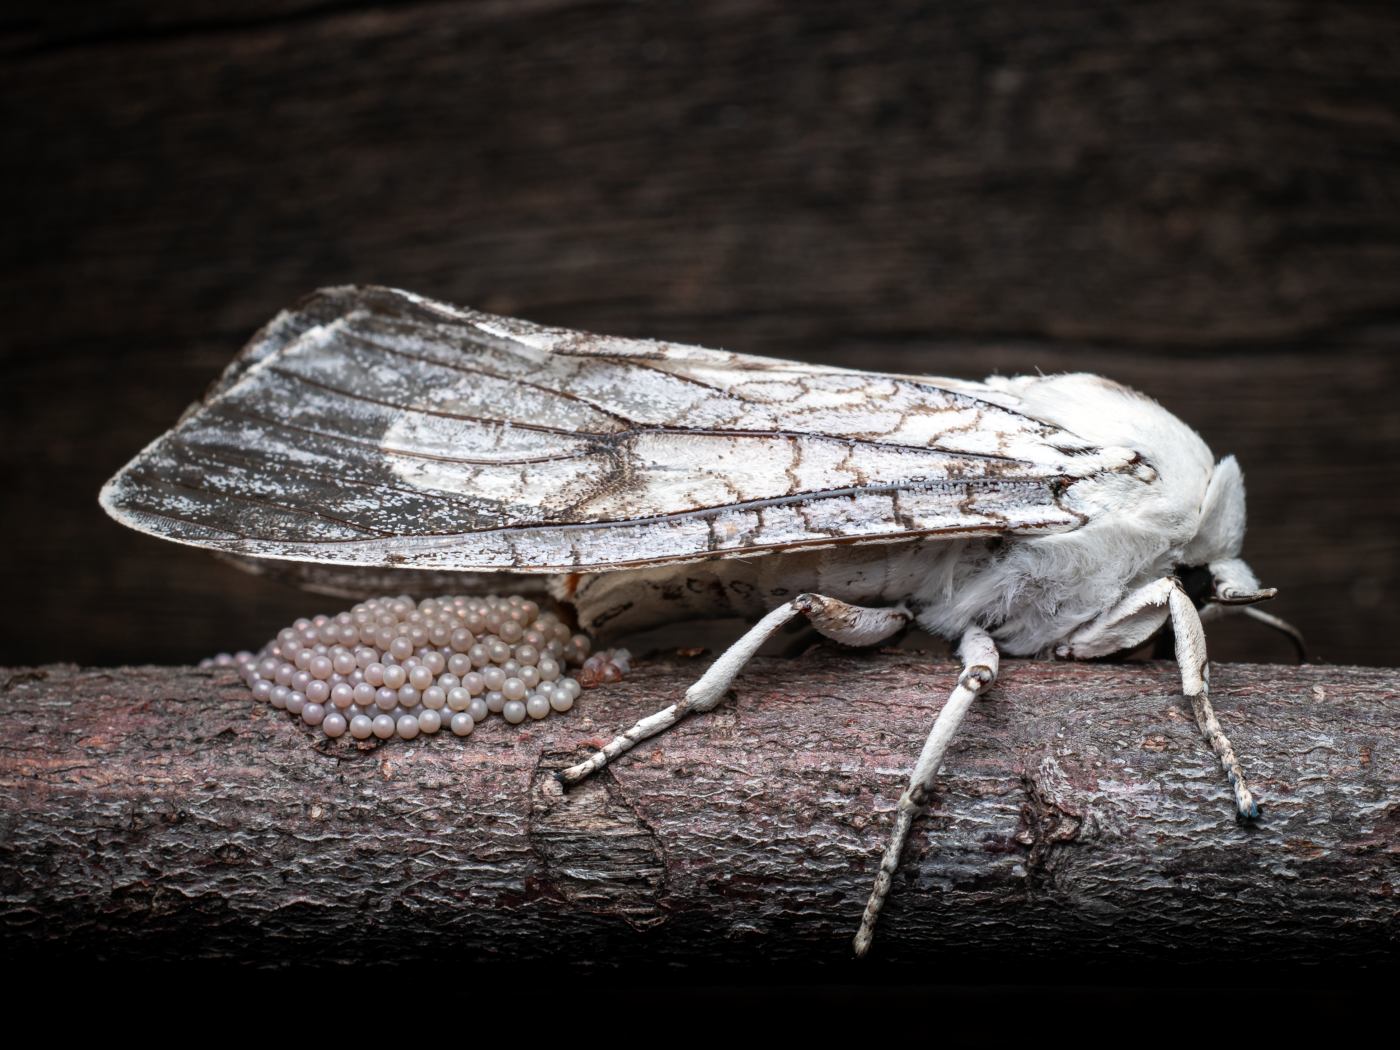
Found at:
(396, 667)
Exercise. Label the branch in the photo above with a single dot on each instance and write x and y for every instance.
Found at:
(160, 812)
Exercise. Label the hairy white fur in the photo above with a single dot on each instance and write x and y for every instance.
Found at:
(1137, 529)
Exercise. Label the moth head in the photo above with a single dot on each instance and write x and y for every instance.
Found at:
(1210, 567)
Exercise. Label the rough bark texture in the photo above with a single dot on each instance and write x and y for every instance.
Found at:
(1206, 188)
(159, 812)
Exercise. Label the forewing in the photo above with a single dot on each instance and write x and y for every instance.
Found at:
(373, 427)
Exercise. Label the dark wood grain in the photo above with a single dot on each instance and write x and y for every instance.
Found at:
(1197, 198)
(159, 813)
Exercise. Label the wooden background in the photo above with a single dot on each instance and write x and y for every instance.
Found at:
(1201, 198)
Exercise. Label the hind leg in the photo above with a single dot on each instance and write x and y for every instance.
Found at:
(851, 624)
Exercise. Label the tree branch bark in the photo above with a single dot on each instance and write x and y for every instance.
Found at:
(157, 812)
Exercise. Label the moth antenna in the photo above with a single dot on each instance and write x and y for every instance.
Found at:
(1283, 627)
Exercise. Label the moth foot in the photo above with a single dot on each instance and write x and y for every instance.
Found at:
(571, 776)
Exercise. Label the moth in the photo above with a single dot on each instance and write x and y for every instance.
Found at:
(371, 429)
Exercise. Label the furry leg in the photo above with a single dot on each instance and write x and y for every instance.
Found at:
(980, 663)
(1195, 683)
(851, 624)
(1130, 623)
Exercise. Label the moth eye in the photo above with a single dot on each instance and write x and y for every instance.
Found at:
(1197, 582)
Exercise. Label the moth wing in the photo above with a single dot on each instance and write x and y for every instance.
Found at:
(370, 427)
(360, 582)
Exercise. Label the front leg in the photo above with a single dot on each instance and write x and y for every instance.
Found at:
(1130, 623)
(980, 664)
(1195, 682)
(851, 624)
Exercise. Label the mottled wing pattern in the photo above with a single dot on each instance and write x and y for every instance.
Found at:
(372, 427)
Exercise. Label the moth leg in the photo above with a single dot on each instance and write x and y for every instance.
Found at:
(980, 663)
(851, 624)
(1130, 623)
(1135, 619)
(1195, 683)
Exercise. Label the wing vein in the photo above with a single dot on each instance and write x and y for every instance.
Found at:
(514, 380)
(286, 374)
(404, 452)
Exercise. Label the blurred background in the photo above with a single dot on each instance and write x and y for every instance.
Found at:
(1200, 199)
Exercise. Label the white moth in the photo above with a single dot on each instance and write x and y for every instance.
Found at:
(1037, 515)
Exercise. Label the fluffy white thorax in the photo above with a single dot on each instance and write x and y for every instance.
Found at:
(1176, 508)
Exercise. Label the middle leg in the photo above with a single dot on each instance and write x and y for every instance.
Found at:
(980, 664)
